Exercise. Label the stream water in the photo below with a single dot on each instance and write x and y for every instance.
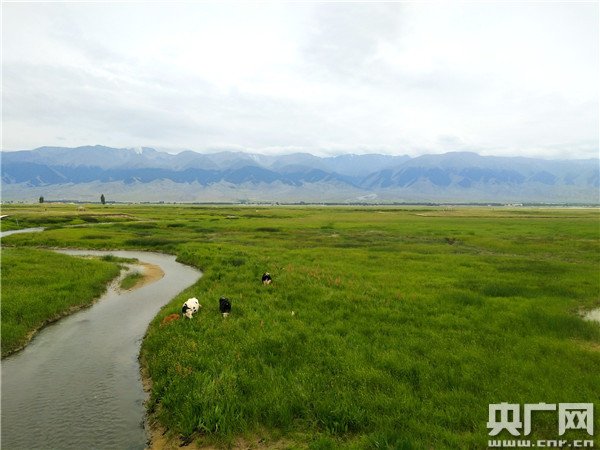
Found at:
(77, 384)
(24, 230)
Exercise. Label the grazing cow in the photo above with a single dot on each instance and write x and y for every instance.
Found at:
(190, 307)
(171, 318)
(224, 306)
(266, 278)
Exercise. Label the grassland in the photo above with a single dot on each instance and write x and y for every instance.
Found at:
(40, 286)
(384, 327)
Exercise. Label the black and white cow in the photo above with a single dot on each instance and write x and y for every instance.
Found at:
(266, 278)
(224, 306)
(190, 307)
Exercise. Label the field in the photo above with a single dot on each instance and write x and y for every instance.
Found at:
(383, 328)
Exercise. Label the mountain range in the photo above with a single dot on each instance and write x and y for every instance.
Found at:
(145, 174)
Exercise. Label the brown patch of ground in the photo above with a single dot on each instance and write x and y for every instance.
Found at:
(151, 274)
(161, 440)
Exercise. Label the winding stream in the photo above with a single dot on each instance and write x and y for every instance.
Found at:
(77, 384)
(24, 230)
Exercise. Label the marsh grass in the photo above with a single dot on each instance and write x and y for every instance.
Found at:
(39, 286)
(57, 215)
(383, 328)
(117, 259)
(131, 280)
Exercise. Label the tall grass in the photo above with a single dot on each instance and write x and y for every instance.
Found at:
(131, 280)
(39, 286)
(407, 349)
(384, 327)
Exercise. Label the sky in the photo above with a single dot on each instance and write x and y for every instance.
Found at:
(495, 78)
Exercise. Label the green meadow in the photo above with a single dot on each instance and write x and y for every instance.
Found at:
(385, 327)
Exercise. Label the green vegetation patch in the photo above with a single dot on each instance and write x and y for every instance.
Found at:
(57, 216)
(39, 286)
(117, 259)
(383, 327)
(131, 280)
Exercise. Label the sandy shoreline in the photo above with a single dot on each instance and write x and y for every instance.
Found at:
(150, 272)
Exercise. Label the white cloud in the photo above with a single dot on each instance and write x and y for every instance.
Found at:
(497, 78)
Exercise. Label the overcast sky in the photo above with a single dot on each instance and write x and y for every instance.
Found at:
(500, 78)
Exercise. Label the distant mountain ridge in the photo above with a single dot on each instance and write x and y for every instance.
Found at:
(145, 174)
(143, 157)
